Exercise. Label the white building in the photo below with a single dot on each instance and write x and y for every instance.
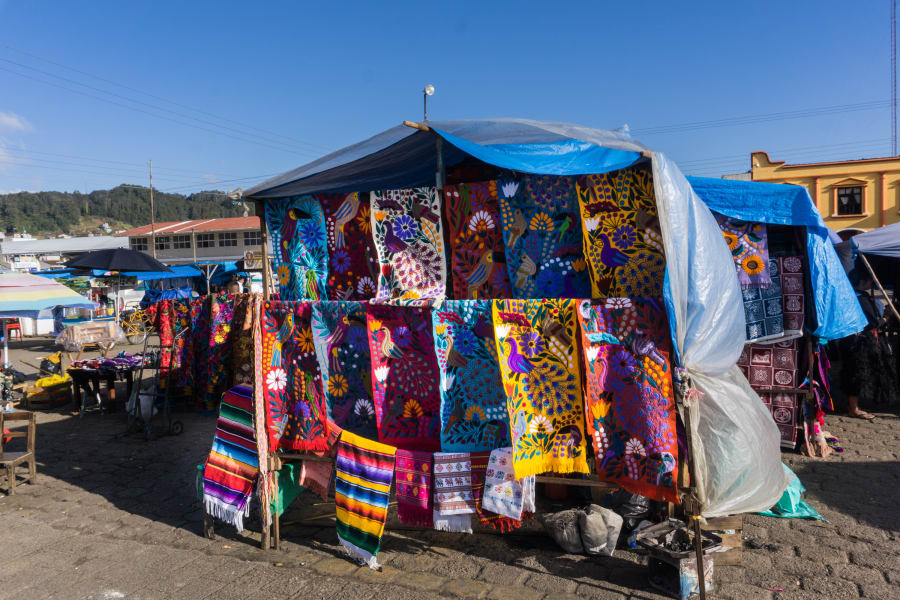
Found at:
(31, 254)
(178, 242)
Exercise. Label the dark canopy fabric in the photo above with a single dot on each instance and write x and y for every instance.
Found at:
(884, 241)
(117, 259)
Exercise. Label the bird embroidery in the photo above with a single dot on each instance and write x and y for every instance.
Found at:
(526, 269)
(480, 274)
(564, 228)
(283, 334)
(552, 328)
(334, 340)
(667, 465)
(517, 227)
(312, 285)
(388, 347)
(609, 256)
(642, 345)
(391, 240)
(423, 211)
(388, 204)
(346, 212)
(517, 363)
(454, 358)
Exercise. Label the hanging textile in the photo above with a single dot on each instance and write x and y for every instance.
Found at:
(182, 363)
(791, 270)
(473, 405)
(542, 382)
(297, 228)
(316, 477)
(414, 476)
(503, 493)
(406, 225)
(353, 261)
(295, 405)
(487, 518)
(749, 247)
(454, 502)
(784, 412)
(544, 255)
(218, 358)
(196, 348)
(232, 466)
(406, 375)
(364, 472)
(622, 239)
(770, 366)
(763, 308)
(477, 254)
(630, 404)
(242, 348)
(342, 351)
(261, 430)
(162, 318)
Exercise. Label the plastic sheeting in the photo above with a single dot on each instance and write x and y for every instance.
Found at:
(792, 505)
(735, 440)
(838, 313)
(884, 241)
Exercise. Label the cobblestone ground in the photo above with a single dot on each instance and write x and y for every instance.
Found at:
(118, 517)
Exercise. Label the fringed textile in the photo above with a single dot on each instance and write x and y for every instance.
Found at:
(406, 376)
(406, 226)
(353, 260)
(503, 493)
(233, 465)
(297, 229)
(542, 380)
(473, 405)
(414, 483)
(477, 254)
(342, 350)
(749, 247)
(364, 472)
(454, 501)
(260, 417)
(487, 518)
(630, 403)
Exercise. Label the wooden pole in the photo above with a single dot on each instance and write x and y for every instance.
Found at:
(152, 214)
(264, 239)
(880, 287)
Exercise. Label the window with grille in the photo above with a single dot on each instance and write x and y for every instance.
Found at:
(252, 238)
(206, 240)
(162, 243)
(181, 241)
(139, 244)
(228, 239)
(850, 200)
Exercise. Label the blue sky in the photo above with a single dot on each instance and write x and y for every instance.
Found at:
(243, 90)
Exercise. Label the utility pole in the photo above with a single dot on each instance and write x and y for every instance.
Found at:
(152, 214)
(893, 77)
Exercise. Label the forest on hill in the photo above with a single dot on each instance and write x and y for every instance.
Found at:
(123, 207)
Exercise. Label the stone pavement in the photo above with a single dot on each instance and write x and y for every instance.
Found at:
(119, 518)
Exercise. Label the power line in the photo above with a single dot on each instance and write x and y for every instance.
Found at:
(817, 149)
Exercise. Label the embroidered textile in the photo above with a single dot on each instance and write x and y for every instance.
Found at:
(406, 225)
(629, 403)
(242, 348)
(364, 471)
(477, 256)
(784, 412)
(342, 351)
(406, 375)
(770, 366)
(353, 267)
(791, 270)
(162, 318)
(622, 238)
(260, 418)
(414, 475)
(232, 466)
(503, 493)
(297, 228)
(544, 255)
(749, 247)
(454, 501)
(542, 381)
(218, 357)
(294, 400)
(473, 405)
(764, 308)
(487, 518)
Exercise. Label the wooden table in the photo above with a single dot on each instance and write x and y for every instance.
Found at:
(88, 380)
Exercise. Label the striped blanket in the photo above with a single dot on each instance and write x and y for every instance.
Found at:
(364, 472)
(232, 466)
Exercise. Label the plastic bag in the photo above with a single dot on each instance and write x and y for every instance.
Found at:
(791, 505)
(600, 529)
(563, 528)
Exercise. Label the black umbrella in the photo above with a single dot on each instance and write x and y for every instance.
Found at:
(117, 259)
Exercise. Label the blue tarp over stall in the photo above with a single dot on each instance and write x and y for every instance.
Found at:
(174, 272)
(837, 310)
(884, 241)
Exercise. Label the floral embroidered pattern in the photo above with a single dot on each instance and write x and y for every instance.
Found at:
(350, 246)
(297, 228)
(749, 248)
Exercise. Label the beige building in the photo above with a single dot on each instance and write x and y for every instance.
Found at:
(852, 195)
(202, 239)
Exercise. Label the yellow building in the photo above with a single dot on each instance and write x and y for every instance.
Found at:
(851, 195)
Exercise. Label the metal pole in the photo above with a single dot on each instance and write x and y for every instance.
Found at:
(152, 214)
(264, 239)
(6, 346)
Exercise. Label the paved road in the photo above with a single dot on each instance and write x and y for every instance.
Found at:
(118, 517)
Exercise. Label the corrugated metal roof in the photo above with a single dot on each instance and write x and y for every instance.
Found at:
(63, 245)
(175, 227)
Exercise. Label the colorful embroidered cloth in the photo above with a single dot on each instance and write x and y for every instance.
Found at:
(218, 356)
(242, 347)
(791, 270)
(297, 229)
(503, 493)
(622, 239)
(764, 308)
(162, 318)
(353, 267)
(414, 478)
(232, 466)
(487, 518)
(630, 403)
(477, 255)
(342, 350)
(261, 429)
(406, 376)
(364, 471)
(749, 247)
(454, 501)
(542, 381)
(770, 366)
(544, 255)
(406, 225)
(295, 404)
(784, 412)
(473, 405)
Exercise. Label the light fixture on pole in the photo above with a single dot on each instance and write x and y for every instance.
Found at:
(428, 91)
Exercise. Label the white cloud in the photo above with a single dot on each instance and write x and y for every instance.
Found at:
(13, 122)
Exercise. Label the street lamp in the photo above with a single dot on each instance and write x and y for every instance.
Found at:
(428, 91)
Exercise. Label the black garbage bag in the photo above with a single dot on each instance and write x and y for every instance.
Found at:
(633, 508)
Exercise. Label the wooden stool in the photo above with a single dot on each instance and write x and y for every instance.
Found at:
(11, 460)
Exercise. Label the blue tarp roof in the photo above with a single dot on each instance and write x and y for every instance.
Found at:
(884, 241)
(176, 271)
(837, 310)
